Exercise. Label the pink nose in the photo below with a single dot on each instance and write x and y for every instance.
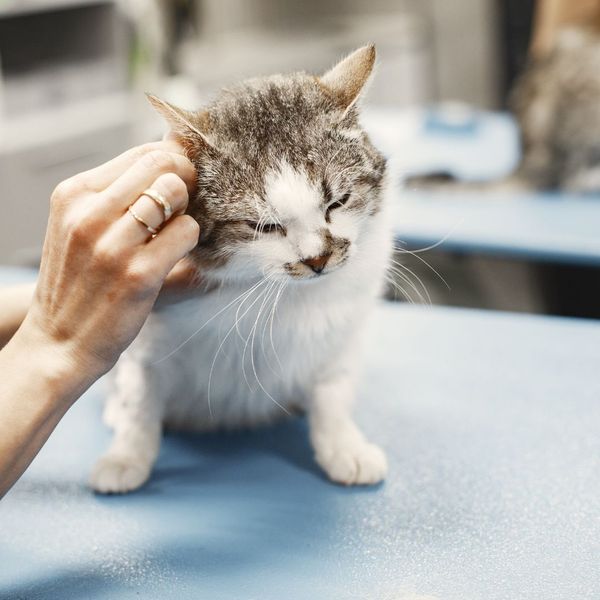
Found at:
(317, 263)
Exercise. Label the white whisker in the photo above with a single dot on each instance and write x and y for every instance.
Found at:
(411, 272)
(204, 325)
(254, 288)
(432, 246)
(272, 295)
(404, 278)
(405, 251)
(400, 289)
(264, 295)
(262, 387)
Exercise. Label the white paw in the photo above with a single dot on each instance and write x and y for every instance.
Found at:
(119, 474)
(353, 462)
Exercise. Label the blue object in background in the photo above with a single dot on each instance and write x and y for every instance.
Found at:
(451, 119)
(470, 144)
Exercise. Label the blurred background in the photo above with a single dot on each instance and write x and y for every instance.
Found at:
(442, 108)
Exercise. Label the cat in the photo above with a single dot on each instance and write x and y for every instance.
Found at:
(293, 250)
(556, 103)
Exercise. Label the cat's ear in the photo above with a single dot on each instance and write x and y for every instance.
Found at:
(346, 80)
(187, 126)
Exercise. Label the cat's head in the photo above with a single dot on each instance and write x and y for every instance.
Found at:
(287, 179)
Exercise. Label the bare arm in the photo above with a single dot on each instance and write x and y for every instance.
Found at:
(14, 303)
(100, 275)
(37, 387)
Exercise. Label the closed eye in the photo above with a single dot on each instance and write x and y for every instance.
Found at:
(266, 227)
(339, 202)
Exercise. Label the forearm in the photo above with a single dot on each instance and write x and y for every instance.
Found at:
(15, 301)
(37, 387)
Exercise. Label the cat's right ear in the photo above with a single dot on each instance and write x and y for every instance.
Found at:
(346, 80)
(185, 126)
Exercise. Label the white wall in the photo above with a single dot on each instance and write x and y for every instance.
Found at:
(465, 34)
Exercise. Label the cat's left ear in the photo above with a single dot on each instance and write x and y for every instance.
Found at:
(347, 79)
(185, 125)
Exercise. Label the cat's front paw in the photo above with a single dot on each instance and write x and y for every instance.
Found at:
(353, 462)
(118, 474)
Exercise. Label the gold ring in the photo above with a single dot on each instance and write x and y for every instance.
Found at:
(161, 201)
(140, 220)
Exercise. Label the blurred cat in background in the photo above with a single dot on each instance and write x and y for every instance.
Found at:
(557, 105)
(556, 102)
(293, 251)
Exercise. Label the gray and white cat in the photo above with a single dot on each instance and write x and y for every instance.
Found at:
(557, 105)
(556, 102)
(294, 246)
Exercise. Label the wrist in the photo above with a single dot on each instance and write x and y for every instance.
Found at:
(64, 373)
(15, 302)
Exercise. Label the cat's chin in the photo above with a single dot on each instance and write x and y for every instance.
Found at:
(311, 279)
(283, 279)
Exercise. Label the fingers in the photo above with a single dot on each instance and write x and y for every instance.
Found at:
(99, 178)
(128, 230)
(184, 281)
(171, 136)
(182, 276)
(125, 190)
(178, 237)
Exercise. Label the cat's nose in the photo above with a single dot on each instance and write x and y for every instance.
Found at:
(317, 263)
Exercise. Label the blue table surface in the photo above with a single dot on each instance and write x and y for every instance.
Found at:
(537, 226)
(490, 422)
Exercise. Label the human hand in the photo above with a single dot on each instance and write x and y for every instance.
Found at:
(101, 269)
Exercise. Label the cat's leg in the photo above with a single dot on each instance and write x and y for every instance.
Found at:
(134, 411)
(341, 449)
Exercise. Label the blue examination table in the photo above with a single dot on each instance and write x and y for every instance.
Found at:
(491, 425)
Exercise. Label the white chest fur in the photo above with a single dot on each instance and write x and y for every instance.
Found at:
(251, 353)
